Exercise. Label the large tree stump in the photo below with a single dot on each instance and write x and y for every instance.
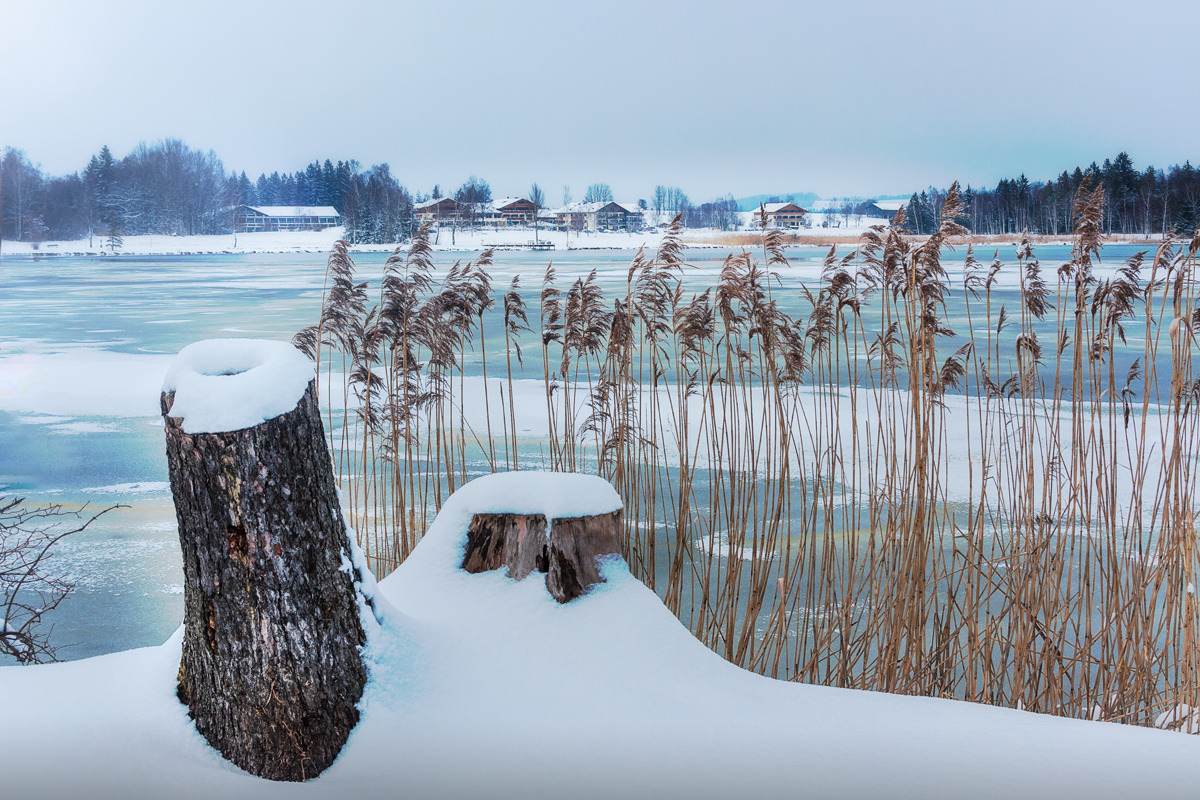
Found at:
(271, 669)
(567, 555)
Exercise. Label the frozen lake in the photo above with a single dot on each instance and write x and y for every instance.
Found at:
(84, 343)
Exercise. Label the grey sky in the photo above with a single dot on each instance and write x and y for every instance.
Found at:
(832, 97)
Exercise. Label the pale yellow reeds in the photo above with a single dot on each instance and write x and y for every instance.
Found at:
(788, 480)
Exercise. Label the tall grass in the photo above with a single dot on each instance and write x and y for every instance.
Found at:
(856, 495)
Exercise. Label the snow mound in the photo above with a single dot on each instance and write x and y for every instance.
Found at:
(554, 494)
(225, 385)
(481, 686)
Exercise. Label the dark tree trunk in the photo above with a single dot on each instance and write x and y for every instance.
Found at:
(567, 557)
(271, 668)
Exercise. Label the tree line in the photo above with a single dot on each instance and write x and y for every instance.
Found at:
(1149, 201)
(168, 188)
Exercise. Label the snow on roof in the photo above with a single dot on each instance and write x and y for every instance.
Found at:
(890, 205)
(430, 203)
(772, 208)
(230, 384)
(588, 208)
(296, 211)
(504, 202)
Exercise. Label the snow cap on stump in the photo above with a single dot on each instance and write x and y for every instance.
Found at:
(222, 385)
(551, 494)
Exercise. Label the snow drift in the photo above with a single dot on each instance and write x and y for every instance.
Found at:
(481, 686)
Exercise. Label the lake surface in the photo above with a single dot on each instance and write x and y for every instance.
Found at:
(84, 343)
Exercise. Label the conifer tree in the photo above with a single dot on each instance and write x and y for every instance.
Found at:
(115, 240)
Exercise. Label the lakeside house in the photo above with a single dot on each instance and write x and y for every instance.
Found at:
(520, 212)
(255, 219)
(784, 215)
(886, 209)
(442, 208)
(514, 211)
(602, 216)
(501, 213)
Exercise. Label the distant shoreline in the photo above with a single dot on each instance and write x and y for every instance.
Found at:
(314, 242)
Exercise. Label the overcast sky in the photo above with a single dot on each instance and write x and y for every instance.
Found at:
(837, 98)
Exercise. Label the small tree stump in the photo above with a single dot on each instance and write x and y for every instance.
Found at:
(271, 669)
(516, 541)
(567, 555)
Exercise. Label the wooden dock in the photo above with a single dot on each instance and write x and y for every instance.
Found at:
(520, 246)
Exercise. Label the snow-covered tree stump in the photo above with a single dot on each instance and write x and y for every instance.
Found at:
(567, 552)
(271, 669)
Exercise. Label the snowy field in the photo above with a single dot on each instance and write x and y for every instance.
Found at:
(485, 687)
(319, 242)
(824, 226)
(444, 239)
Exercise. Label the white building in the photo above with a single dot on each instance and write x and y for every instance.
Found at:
(783, 215)
(603, 216)
(252, 219)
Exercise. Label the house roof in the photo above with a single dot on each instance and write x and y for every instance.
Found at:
(432, 203)
(505, 202)
(588, 208)
(889, 205)
(775, 208)
(296, 211)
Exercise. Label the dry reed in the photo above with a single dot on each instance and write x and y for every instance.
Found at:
(857, 495)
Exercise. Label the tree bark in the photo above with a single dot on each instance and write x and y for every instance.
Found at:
(567, 556)
(271, 670)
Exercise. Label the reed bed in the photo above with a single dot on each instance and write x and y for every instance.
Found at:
(814, 239)
(856, 494)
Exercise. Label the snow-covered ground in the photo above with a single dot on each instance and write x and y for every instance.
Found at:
(445, 239)
(322, 241)
(485, 687)
(279, 242)
(823, 225)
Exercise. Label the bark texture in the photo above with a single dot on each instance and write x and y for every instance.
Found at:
(575, 545)
(271, 670)
(567, 557)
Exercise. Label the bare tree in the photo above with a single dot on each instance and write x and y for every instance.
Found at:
(538, 198)
(598, 193)
(28, 591)
(660, 202)
(471, 198)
